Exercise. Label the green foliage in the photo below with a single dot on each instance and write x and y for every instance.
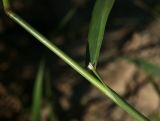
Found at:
(37, 93)
(150, 68)
(100, 15)
(105, 89)
(6, 5)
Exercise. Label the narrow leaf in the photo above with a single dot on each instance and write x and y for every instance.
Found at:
(37, 93)
(152, 69)
(100, 15)
(67, 18)
(6, 5)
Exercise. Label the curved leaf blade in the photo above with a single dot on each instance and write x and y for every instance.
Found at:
(100, 15)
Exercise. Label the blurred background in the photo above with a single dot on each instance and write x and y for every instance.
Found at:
(133, 30)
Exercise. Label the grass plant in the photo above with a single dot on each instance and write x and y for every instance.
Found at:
(102, 12)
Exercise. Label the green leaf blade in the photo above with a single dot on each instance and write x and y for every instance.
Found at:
(152, 69)
(37, 93)
(100, 15)
(6, 4)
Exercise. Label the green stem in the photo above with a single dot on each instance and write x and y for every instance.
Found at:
(92, 68)
(105, 89)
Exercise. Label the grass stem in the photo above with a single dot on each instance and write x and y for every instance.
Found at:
(104, 89)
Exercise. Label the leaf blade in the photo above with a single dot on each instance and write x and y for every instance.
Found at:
(100, 15)
(150, 68)
(37, 93)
